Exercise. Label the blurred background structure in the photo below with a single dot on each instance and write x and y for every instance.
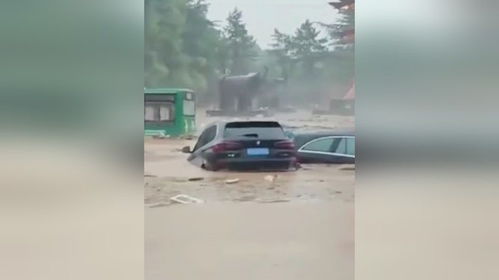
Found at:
(345, 30)
(184, 48)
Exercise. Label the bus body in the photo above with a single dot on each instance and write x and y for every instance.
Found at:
(169, 112)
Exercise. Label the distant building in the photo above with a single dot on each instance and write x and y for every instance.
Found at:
(343, 4)
(346, 33)
(351, 93)
(346, 30)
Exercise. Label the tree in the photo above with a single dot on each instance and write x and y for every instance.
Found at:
(165, 63)
(342, 31)
(241, 46)
(281, 49)
(308, 63)
(341, 34)
(307, 47)
(181, 44)
(201, 42)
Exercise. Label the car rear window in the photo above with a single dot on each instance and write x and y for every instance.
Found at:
(261, 130)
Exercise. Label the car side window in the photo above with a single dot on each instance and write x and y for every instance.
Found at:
(207, 136)
(351, 146)
(339, 146)
(210, 134)
(321, 145)
(200, 141)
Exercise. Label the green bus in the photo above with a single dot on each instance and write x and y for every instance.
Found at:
(169, 111)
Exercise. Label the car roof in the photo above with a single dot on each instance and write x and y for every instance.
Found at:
(342, 132)
(224, 123)
(300, 138)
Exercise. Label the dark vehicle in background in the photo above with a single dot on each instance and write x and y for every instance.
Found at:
(243, 145)
(325, 147)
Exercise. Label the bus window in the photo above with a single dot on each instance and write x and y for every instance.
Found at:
(189, 107)
(159, 112)
(165, 112)
(149, 113)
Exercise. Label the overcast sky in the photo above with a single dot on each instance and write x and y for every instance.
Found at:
(262, 16)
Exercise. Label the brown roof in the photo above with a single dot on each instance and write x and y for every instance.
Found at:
(342, 3)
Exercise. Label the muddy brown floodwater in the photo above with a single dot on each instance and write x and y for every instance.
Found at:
(267, 225)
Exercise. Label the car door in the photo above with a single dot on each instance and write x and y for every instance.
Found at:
(316, 150)
(343, 150)
(351, 146)
(330, 149)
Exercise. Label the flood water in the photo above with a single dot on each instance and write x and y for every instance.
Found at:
(267, 225)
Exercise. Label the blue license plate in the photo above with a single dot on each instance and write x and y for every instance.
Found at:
(258, 151)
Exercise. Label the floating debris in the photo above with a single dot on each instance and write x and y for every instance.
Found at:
(270, 178)
(185, 199)
(273, 201)
(232, 181)
(157, 205)
(193, 179)
(347, 167)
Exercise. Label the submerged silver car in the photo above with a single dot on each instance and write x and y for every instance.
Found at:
(243, 145)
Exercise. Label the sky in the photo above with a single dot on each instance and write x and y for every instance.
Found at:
(262, 16)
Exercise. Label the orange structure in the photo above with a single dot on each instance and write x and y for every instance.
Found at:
(346, 32)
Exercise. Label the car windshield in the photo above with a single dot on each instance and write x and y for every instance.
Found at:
(262, 130)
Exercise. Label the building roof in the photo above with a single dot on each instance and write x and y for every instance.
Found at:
(350, 94)
(342, 3)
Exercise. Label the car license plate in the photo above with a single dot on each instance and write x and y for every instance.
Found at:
(258, 151)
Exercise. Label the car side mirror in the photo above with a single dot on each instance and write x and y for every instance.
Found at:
(186, 150)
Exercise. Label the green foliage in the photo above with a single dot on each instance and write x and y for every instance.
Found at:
(336, 30)
(185, 49)
(299, 55)
(281, 50)
(240, 46)
(311, 67)
(308, 48)
(181, 44)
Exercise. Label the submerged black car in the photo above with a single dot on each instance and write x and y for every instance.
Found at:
(325, 147)
(243, 145)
